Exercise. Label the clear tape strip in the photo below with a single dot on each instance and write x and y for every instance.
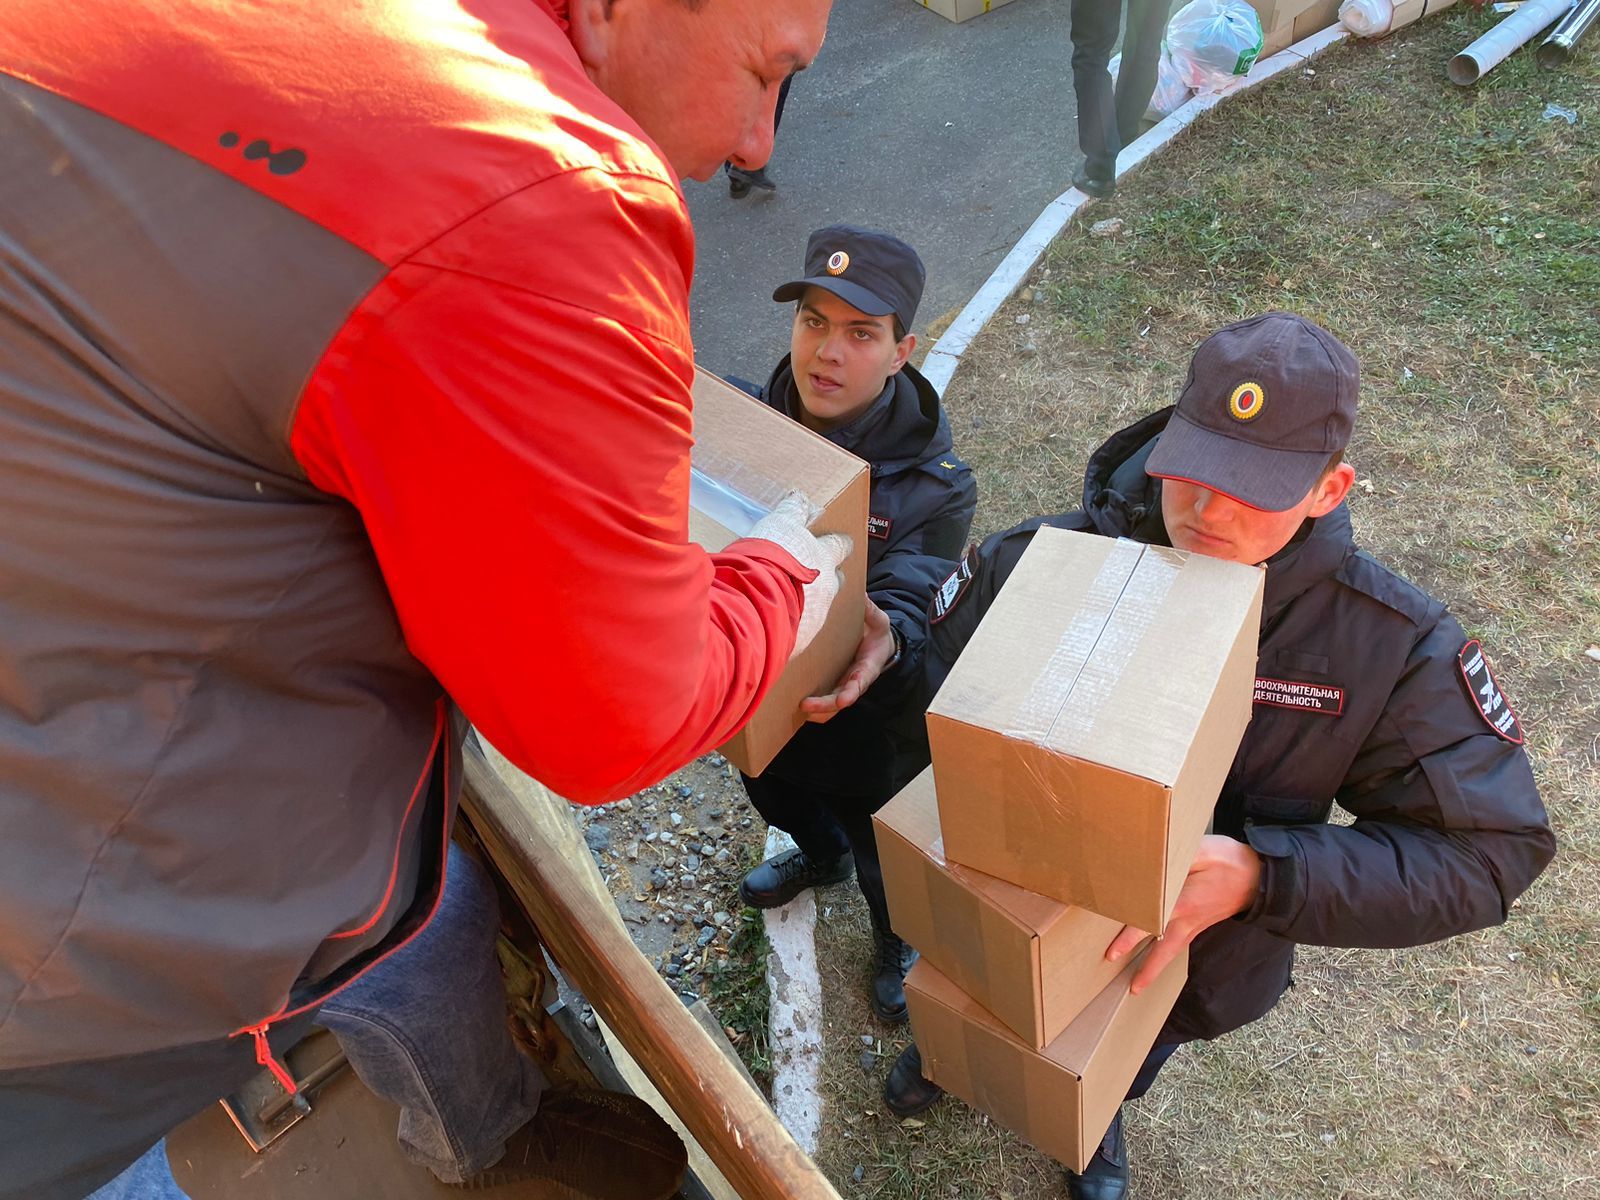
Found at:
(724, 503)
(1037, 713)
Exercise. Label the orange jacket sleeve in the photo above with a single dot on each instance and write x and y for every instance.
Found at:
(510, 412)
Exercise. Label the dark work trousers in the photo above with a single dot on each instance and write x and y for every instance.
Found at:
(825, 825)
(1108, 120)
(1153, 1062)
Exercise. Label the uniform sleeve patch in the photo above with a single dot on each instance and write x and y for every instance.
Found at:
(953, 588)
(1321, 698)
(878, 527)
(1485, 691)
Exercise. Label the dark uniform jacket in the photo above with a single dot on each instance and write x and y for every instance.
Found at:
(923, 498)
(1362, 699)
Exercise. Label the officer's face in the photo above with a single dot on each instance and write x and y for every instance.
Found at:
(700, 78)
(841, 357)
(1211, 523)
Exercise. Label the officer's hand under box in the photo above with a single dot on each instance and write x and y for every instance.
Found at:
(746, 458)
(1081, 740)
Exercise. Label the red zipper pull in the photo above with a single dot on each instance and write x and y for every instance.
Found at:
(265, 1058)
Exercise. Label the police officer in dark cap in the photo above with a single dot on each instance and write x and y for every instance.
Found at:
(848, 378)
(1368, 694)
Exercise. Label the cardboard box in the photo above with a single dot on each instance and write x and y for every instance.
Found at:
(1032, 962)
(1081, 739)
(1284, 22)
(746, 457)
(961, 10)
(1060, 1099)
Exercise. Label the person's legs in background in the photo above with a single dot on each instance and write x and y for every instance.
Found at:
(822, 855)
(1141, 59)
(1095, 24)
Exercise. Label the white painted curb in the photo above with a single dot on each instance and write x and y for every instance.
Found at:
(794, 1023)
(939, 367)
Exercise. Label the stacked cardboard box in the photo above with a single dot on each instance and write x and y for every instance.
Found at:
(1079, 745)
(746, 458)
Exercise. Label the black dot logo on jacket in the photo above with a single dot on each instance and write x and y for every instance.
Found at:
(279, 162)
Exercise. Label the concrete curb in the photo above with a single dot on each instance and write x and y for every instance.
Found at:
(939, 367)
(794, 1022)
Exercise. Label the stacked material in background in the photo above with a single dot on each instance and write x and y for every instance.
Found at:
(1079, 745)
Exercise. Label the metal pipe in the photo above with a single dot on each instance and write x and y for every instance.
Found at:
(1478, 59)
(1557, 48)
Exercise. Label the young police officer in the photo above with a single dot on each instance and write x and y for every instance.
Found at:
(846, 377)
(1367, 693)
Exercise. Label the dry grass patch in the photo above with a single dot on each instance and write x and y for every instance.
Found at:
(1452, 238)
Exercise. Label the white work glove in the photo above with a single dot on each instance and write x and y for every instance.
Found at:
(785, 526)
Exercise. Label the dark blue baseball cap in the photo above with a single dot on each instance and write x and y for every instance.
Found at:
(866, 268)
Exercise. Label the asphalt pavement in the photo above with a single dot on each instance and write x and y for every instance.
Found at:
(953, 137)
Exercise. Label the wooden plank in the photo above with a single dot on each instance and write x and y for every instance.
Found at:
(534, 842)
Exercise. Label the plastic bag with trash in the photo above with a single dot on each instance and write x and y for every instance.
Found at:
(1367, 18)
(1171, 92)
(1213, 42)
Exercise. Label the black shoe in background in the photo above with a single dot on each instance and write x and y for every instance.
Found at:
(779, 880)
(894, 959)
(1106, 1177)
(741, 182)
(906, 1092)
(1100, 189)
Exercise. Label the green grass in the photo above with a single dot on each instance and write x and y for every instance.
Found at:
(1452, 238)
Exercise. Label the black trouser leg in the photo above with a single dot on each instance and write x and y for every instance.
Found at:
(854, 816)
(1094, 31)
(1150, 1068)
(800, 813)
(1141, 59)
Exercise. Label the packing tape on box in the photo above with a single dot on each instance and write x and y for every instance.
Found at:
(724, 503)
(965, 914)
(1136, 611)
(1040, 709)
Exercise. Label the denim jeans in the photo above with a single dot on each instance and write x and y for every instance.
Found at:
(426, 1030)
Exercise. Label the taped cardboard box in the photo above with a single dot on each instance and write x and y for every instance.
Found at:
(961, 10)
(1032, 962)
(1061, 1099)
(1081, 739)
(746, 458)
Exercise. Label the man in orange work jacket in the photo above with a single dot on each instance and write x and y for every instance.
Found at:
(344, 380)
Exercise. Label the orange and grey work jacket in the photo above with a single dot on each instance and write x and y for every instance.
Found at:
(344, 374)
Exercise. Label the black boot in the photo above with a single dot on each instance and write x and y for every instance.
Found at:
(906, 1092)
(779, 880)
(1106, 1177)
(1091, 185)
(740, 181)
(894, 959)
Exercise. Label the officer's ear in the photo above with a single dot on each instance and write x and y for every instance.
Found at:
(902, 352)
(1331, 489)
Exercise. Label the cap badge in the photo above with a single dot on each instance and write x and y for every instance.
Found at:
(837, 262)
(1247, 401)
